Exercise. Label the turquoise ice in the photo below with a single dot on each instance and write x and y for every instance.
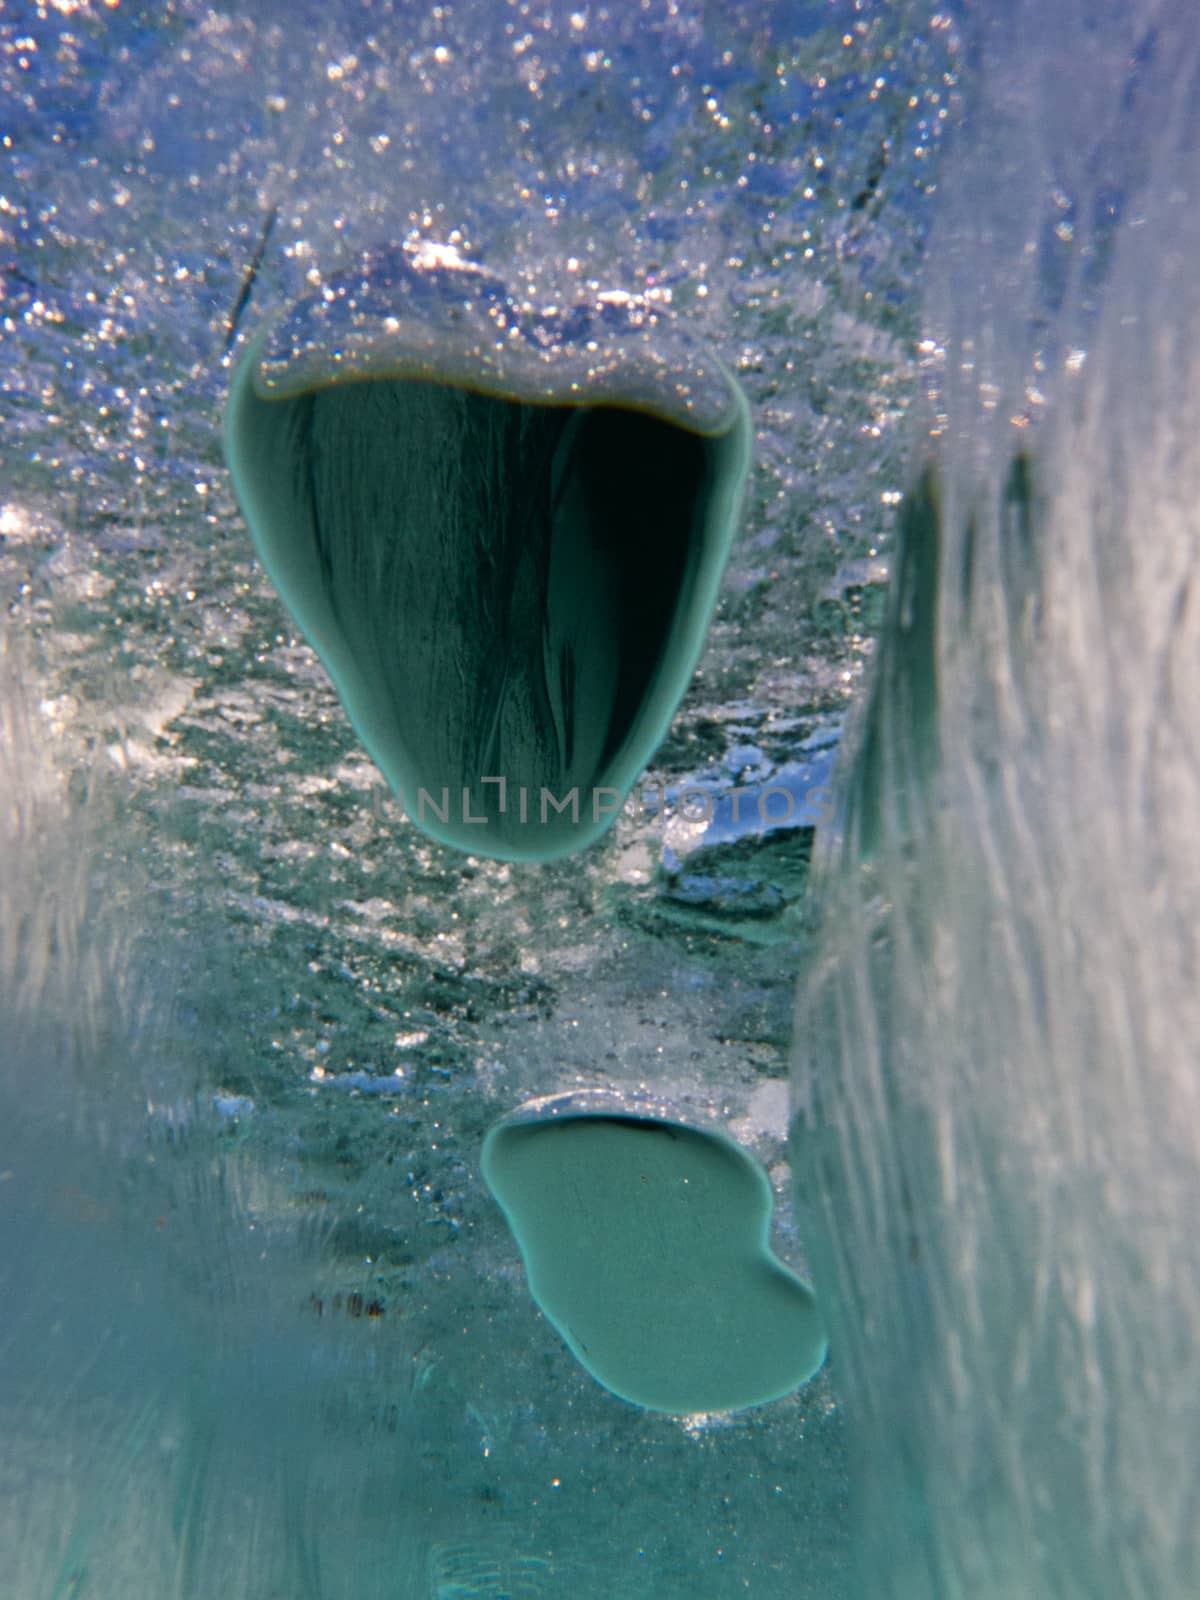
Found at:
(995, 1070)
(264, 1330)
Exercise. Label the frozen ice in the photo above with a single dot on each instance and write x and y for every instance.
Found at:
(267, 1333)
(506, 551)
(264, 1331)
(996, 1127)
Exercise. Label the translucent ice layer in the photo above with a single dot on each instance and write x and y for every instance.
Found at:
(264, 1332)
(997, 1106)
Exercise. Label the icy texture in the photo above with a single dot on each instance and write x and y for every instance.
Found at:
(997, 1104)
(265, 1333)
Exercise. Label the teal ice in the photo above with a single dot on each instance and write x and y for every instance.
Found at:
(895, 933)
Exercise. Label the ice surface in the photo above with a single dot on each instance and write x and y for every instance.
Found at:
(997, 1107)
(264, 1332)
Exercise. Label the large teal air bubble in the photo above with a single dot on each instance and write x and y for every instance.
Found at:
(504, 536)
(645, 1243)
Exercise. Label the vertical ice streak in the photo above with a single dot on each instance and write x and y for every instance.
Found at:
(996, 1100)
